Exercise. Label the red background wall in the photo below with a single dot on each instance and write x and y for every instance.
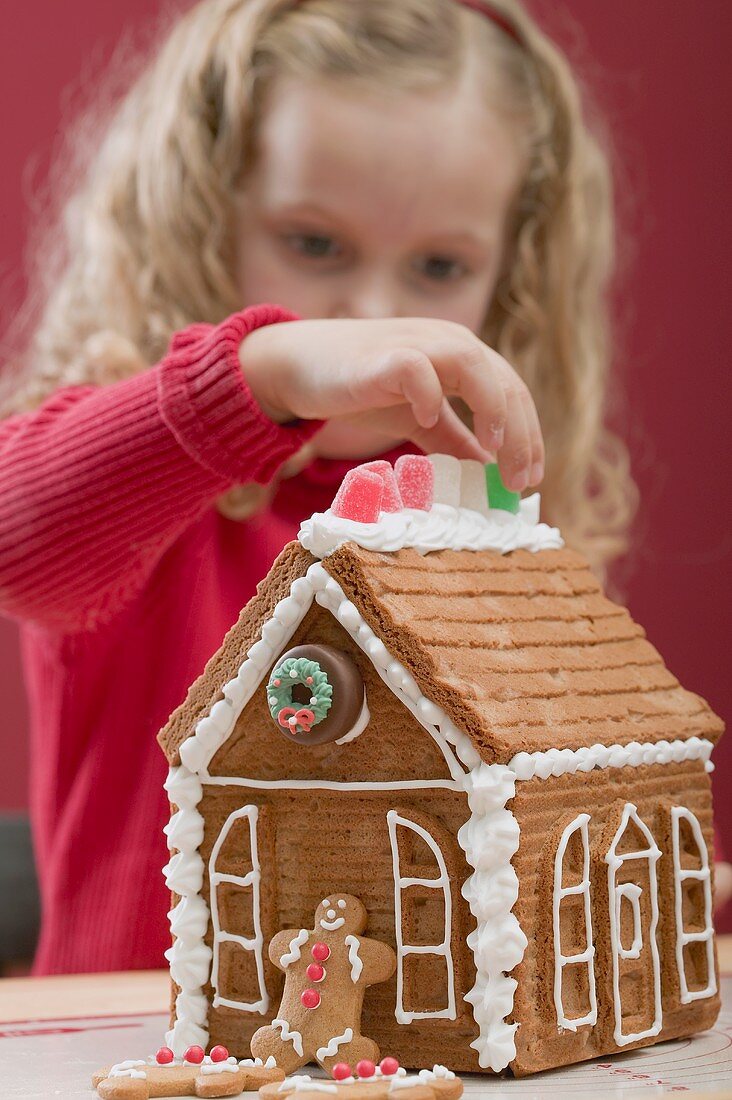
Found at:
(661, 72)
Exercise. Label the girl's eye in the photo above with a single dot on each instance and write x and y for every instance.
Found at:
(314, 245)
(440, 269)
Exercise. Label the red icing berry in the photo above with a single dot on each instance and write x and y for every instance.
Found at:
(388, 1066)
(392, 499)
(364, 1068)
(359, 497)
(340, 1071)
(320, 952)
(315, 972)
(308, 679)
(415, 476)
(194, 1055)
(219, 1054)
(310, 998)
(164, 1056)
(277, 683)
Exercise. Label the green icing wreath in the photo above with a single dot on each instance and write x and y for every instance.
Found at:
(292, 671)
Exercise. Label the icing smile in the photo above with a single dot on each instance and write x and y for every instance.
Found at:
(331, 924)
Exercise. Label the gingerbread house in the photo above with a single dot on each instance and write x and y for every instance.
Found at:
(516, 787)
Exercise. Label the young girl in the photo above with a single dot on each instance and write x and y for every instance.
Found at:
(412, 185)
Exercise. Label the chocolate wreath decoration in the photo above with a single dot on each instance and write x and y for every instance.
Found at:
(315, 694)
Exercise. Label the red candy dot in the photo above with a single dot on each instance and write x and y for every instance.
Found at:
(340, 1071)
(364, 1068)
(277, 683)
(219, 1054)
(310, 998)
(388, 1066)
(194, 1055)
(308, 680)
(315, 972)
(164, 1056)
(320, 952)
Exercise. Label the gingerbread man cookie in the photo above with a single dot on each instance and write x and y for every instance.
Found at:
(327, 970)
(196, 1074)
(387, 1081)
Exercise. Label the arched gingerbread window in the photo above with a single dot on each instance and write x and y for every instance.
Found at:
(237, 968)
(423, 921)
(693, 906)
(575, 997)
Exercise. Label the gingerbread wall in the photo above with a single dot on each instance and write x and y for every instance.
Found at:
(544, 808)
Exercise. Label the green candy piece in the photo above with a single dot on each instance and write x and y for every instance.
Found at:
(498, 495)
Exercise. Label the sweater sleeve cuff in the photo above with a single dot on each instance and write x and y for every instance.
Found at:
(207, 405)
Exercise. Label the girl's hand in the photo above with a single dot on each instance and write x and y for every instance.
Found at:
(390, 380)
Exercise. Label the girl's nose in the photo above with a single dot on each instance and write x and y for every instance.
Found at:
(371, 301)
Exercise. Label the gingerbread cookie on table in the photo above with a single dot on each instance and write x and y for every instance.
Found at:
(196, 1074)
(370, 1082)
(327, 970)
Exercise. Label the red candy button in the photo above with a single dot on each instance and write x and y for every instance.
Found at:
(320, 952)
(164, 1056)
(388, 1066)
(364, 1068)
(310, 998)
(340, 1071)
(359, 497)
(194, 1055)
(219, 1054)
(315, 972)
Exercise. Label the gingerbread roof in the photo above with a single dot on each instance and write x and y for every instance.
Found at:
(522, 650)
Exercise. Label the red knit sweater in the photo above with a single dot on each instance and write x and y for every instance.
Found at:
(125, 578)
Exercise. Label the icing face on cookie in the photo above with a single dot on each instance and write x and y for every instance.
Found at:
(340, 911)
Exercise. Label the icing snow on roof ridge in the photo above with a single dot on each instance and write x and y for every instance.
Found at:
(427, 503)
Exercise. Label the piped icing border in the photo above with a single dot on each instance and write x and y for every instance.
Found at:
(489, 838)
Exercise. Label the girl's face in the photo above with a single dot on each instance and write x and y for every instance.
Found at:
(367, 204)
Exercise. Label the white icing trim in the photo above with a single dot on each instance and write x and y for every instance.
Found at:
(490, 839)
(230, 1065)
(587, 956)
(293, 952)
(443, 527)
(615, 894)
(288, 1036)
(332, 785)
(682, 875)
(444, 949)
(189, 956)
(303, 1082)
(331, 1049)
(558, 762)
(353, 944)
(129, 1069)
(632, 893)
(254, 944)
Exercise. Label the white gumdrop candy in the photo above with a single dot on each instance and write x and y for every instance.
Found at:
(473, 487)
(447, 479)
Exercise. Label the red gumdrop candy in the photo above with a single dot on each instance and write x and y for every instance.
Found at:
(164, 1056)
(359, 497)
(392, 501)
(219, 1054)
(310, 998)
(388, 1066)
(415, 476)
(194, 1055)
(340, 1071)
(364, 1068)
(315, 972)
(320, 952)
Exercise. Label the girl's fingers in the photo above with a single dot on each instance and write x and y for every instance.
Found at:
(515, 456)
(404, 375)
(475, 373)
(450, 436)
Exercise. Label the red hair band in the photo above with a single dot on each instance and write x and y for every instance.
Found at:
(496, 17)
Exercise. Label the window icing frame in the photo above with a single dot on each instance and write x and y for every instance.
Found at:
(402, 882)
(252, 879)
(682, 875)
(581, 824)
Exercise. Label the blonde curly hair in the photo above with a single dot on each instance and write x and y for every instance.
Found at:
(144, 246)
